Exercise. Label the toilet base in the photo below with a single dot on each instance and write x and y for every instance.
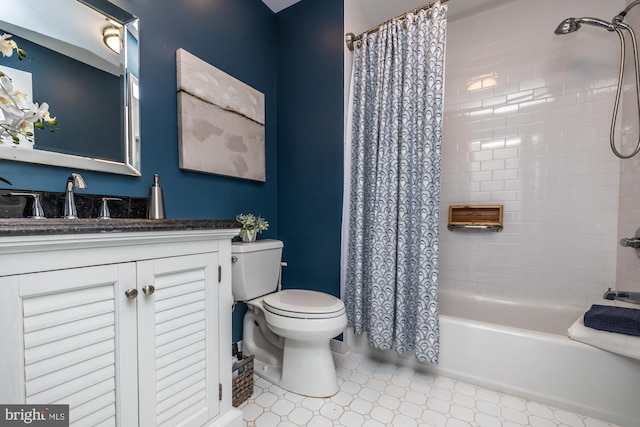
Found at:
(300, 366)
(309, 371)
(273, 374)
(309, 368)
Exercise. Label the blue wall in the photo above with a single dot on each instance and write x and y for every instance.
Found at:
(310, 145)
(310, 142)
(237, 36)
(295, 59)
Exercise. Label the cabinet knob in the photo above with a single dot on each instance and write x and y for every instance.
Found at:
(148, 289)
(131, 293)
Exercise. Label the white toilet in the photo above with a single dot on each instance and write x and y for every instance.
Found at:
(287, 331)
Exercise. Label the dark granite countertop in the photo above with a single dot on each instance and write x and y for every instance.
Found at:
(32, 227)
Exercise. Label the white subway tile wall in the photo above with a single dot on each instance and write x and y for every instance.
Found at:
(526, 125)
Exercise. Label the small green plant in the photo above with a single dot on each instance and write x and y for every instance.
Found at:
(251, 224)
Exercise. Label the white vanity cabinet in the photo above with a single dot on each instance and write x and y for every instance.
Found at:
(129, 329)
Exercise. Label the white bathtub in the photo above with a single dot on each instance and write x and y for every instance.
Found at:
(521, 348)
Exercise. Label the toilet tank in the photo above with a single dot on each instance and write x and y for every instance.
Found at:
(255, 268)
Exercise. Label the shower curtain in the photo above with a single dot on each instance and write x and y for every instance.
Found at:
(392, 185)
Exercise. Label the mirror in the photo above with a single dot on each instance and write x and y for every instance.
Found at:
(91, 90)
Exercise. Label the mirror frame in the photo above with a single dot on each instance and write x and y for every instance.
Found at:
(131, 163)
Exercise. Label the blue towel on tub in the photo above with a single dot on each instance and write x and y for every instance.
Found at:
(608, 318)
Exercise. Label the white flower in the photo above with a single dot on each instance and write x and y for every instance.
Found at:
(7, 46)
(20, 115)
(43, 114)
(9, 95)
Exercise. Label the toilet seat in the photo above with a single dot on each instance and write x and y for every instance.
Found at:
(303, 304)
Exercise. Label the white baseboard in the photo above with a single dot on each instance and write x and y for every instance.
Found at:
(338, 346)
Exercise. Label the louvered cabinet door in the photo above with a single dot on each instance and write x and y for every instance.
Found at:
(79, 342)
(178, 340)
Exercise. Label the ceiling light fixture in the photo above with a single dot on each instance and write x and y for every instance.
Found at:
(111, 37)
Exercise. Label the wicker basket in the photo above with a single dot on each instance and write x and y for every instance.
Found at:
(243, 383)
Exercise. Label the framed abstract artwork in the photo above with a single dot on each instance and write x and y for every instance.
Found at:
(220, 121)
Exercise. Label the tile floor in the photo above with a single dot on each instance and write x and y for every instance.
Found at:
(376, 394)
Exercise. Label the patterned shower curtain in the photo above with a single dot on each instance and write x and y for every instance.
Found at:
(390, 235)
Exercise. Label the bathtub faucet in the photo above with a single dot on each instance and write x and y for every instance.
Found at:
(631, 297)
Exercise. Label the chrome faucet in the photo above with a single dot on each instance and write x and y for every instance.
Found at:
(74, 181)
(630, 297)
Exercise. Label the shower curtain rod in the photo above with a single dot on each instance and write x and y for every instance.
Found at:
(351, 38)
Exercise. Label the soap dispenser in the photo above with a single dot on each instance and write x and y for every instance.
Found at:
(155, 204)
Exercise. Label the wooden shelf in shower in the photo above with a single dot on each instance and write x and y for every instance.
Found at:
(488, 217)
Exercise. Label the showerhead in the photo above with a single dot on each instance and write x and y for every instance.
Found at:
(570, 25)
(567, 26)
(616, 25)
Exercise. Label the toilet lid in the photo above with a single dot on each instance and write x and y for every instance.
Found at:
(303, 304)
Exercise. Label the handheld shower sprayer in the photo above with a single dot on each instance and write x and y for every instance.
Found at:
(571, 25)
(616, 25)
